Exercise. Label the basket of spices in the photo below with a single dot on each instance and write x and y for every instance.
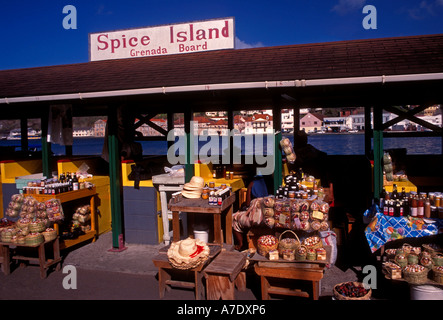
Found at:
(313, 242)
(266, 243)
(49, 234)
(413, 258)
(438, 259)
(34, 238)
(352, 291)
(401, 260)
(426, 261)
(300, 253)
(437, 274)
(37, 226)
(288, 243)
(311, 254)
(415, 274)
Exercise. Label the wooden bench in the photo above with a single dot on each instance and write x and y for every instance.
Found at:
(224, 274)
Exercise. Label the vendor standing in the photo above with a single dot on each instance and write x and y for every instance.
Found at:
(313, 162)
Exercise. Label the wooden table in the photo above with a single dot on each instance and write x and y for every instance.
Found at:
(291, 271)
(223, 274)
(202, 206)
(44, 263)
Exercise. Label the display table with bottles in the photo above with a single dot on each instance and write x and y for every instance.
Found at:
(383, 229)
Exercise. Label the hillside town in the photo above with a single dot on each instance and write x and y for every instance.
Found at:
(312, 121)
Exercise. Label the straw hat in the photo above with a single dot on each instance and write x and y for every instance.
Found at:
(193, 188)
(188, 253)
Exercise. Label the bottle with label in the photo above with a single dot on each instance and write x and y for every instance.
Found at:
(403, 193)
(420, 207)
(75, 184)
(391, 208)
(382, 198)
(413, 206)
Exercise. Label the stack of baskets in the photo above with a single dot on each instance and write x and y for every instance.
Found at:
(416, 263)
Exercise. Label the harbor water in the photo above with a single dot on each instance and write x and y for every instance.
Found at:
(332, 144)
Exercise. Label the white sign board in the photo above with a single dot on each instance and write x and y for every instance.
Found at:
(163, 40)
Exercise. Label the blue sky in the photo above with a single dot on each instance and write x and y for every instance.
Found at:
(32, 33)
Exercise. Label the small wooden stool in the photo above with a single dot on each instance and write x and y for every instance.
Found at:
(165, 280)
(294, 271)
(223, 274)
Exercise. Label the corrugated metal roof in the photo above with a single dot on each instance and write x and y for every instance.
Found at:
(355, 58)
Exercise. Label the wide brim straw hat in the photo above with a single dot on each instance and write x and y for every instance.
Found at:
(193, 188)
(188, 253)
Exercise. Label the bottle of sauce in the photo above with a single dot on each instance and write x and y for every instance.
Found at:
(420, 207)
(427, 209)
(403, 193)
(394, 194)
(413, 206)
(391, 208)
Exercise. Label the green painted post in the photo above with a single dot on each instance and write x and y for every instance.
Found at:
(378, 151)
(115, 180)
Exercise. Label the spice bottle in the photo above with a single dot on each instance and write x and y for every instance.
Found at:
(420, 207)
(427, 208)
(413, 206)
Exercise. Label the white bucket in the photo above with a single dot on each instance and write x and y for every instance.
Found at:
(426, 292)
(201, 235)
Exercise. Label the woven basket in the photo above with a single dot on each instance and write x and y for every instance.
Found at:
(37, 227)
(301, 256)
(413, 258)
(339, 296)
(34, 239)
(438, 259)
(264, 249)
(317, 245)
(416, 277)
(21, 240)
(288, 243)
(401, 260)
(431, 248)
(437, 275)
(49, 234)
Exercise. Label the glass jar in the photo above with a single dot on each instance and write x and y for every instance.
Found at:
(212, 184)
